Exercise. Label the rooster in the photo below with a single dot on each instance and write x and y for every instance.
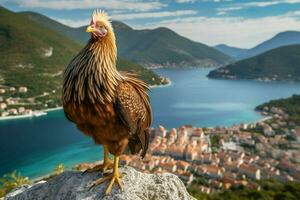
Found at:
(111, 107)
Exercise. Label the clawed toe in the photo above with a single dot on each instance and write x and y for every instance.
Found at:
(99, 181)
(106, 166)
(114, 179)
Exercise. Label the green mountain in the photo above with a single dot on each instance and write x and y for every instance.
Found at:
(164, 47)
(77, 34)
(282, 64)
(31, 55)
(151, 48)
(34, 56)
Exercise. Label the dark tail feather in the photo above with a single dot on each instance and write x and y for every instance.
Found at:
(134, 145)
(145, 144)
(139, 143)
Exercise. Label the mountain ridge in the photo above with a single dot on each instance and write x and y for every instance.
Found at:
(232, 51)
(281, 39)
(149, 47)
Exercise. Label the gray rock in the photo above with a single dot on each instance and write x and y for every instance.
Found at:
(72, 185)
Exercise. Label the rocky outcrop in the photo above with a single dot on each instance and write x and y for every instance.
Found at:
(72, 185)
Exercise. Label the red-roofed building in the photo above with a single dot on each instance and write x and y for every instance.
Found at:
(250, 171)
(182, 165)
(186, 177)
(214, 172)
(170, 167)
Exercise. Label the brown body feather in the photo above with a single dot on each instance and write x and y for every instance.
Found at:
(110, 107)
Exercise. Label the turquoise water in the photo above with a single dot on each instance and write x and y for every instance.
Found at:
(34, 146)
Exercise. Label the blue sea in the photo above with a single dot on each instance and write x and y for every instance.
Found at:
(34, 146)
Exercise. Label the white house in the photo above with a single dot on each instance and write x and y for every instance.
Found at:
(22, 89)
(3, 106)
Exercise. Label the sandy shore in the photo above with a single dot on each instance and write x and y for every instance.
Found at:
(30, 115)
(16, 117)
(265, 118)
(52, 109)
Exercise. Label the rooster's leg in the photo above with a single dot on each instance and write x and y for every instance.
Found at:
(114, 178)
(106, 165)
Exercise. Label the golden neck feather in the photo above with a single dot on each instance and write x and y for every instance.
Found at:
(92, 73)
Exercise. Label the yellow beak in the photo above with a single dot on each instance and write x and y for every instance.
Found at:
(89, 29)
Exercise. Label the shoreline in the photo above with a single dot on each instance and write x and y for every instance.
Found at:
(68, 168)
(29, 115)
(52, 109)
(16, 117)
(265, 118)
(162, 86)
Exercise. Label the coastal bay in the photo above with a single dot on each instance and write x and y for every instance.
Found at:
(34, 146)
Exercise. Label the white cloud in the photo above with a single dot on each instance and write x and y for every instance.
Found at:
(219, 13)
(185, 1)
(235, 31)
(240, 6)
(129, 16)
(293, 14)
(215, 1)
(291, 1)
(88, 4)
(231, 8)
(74, 23)
(231, 30)
(261, 3)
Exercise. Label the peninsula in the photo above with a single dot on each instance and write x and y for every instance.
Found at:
(280, 64)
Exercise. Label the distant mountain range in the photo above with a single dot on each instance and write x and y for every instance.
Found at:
(279, 40)
(35, 56)
(151, 48)
(281, 64)
(233, 52)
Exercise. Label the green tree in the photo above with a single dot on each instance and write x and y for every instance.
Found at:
(10, 181)
(60, 168)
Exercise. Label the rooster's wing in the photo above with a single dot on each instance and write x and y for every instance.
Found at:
(133, 109)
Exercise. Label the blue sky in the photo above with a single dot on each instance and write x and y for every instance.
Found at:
(238, 23)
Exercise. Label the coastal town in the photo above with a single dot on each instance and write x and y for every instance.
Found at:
(220, 158)
(16, 103)
(217, 158)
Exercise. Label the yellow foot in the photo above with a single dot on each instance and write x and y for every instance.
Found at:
(102, 167)
(114, 179)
